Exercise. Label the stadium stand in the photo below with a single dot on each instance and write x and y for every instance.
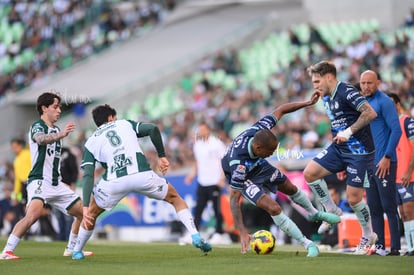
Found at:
(273, 70)
(40, 38)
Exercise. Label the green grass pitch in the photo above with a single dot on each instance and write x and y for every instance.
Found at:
(121, 258)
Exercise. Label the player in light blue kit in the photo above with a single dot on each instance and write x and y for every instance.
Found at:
(352, 149)
(382, 191)
(115, 145)
(250, 175)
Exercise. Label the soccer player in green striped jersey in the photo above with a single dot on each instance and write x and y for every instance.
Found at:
(44, 182)
(116, 147)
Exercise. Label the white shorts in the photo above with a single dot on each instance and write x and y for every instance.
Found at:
(60, 196)
(108, 193)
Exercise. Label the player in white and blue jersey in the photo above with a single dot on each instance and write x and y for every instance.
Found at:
(251, 176)
(352, 149)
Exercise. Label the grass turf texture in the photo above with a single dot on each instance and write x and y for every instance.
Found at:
(170, 258)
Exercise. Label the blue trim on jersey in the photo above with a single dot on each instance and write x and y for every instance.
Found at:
(234, 162)
(360, 104)
(250, 149)
(336, 88)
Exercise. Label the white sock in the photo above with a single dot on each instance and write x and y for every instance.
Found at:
(83, 237)
(361, 210)
(72, 240)
(289, 227)
(409, 234)
(301, 199)
(320, 190)
(11, 244)
(187, 219)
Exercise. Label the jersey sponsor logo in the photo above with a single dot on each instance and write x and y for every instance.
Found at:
(321, 154)
(50, 151)
(119, 149)
(102, 193)
(121, 162)
(351, 94)
(351, 170)
(339, 124)
(238, 141)
(252, 190)
(275, 175)
(265, 124)
(356, 179)
(411, 125)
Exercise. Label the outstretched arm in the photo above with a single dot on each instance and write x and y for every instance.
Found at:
(43, 139)
(293, 106)
(238, 219)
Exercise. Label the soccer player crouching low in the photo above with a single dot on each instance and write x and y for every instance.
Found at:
(250, 175)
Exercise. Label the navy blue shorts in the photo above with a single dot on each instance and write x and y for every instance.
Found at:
(359, 168)
(405, 194)
(263, 179)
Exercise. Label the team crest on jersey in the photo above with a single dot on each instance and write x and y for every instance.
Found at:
(241, 169)
(37, 128)
(334, 105)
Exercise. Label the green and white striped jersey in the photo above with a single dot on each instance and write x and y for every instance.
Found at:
(115, 145)
(45, 158)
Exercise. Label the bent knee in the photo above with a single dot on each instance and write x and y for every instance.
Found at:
(269, 205)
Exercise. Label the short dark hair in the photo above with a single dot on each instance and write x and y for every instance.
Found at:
(263, 137)
(395, 97)
(46, 99)
(101, 113)
(19, 141)
(322, 68)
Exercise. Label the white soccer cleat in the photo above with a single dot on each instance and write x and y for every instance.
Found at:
(185, 239)
(366, 244)
(8, 255)
(68, 253)
(220, 239)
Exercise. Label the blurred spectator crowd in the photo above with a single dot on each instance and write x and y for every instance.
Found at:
(39, 38)
(229, 109)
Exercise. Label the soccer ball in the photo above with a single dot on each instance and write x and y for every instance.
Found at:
(263, 242)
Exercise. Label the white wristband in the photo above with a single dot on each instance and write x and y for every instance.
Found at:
(347, 133)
